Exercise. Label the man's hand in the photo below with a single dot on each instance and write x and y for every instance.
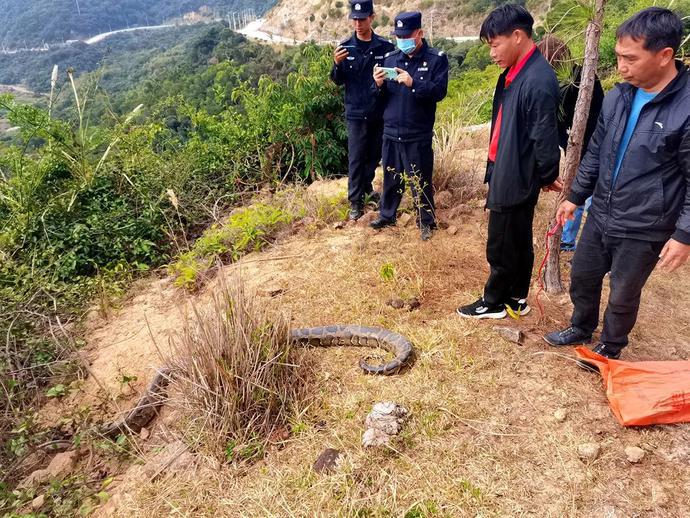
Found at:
(403, 77)
(565, 212)
(379, 76)
(674, 255)
(556, 186)
(339, 55)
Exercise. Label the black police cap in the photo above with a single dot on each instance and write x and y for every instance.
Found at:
(361, 9)
(406, 23)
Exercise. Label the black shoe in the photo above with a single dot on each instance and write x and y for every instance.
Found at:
(567, 247)
(356, 211)
(569, 336)
(601, 350)
(425, 232)
(380, 223)
(518, 306)
(482, 309)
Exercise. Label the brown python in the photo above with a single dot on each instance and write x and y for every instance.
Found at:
(147, 407)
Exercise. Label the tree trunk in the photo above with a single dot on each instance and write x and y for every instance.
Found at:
(552, 273)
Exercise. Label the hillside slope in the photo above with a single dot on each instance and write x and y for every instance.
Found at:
(482, 439)
(32, 23)
(327, 20)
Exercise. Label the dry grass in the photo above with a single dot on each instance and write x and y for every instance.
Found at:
(235, 375)
(482, 440)
(457, 161)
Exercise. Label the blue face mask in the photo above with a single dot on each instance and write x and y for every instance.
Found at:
(406, 45)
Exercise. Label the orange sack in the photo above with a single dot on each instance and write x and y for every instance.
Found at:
(644, 393)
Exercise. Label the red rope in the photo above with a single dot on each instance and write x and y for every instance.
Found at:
(549, 234)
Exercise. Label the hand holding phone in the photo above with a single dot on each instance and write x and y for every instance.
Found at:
(389, 73)
(340, 53)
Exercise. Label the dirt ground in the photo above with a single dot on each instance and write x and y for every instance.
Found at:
(482, 439)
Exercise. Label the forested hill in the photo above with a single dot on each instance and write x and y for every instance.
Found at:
(33, 22)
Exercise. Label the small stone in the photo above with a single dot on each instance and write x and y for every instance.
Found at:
(634, 454)
(38, 502)
(144, 434)
(413, 303)
(373, 438)
(510, 333)
(452, 230)
(588, 452)
(443, 199)
(560, 415)
(327, 461)
(368, 218)
(272, 290)
(404, 219)
(396, 303)
(339, 225)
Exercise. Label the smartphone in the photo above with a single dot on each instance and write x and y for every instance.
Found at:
(391, 73)
(347, 46)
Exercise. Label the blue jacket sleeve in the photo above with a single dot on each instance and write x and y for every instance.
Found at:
(435, 87)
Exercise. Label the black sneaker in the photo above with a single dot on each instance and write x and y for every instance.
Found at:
(519, 307)
(601, 350)
(482, 309)
(380, 223)
(425, 232)
(569, 336)
(356, 211)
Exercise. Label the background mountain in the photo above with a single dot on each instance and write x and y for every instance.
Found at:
(31, 23)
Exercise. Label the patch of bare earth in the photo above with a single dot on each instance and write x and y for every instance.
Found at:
(483, 438)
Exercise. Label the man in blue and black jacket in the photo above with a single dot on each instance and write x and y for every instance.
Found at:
(354, 61)
(637, 170)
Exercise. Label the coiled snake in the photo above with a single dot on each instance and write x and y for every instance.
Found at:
(146, 408)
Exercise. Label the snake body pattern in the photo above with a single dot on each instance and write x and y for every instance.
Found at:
(147, 407)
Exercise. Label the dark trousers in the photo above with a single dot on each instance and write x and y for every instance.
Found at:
(411, 162)
(630, 261)
(510, 253)
(364, 154)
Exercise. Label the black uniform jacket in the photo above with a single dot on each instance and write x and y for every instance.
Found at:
(356, 73)
(409, 113)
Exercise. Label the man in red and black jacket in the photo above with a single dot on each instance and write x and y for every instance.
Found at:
(523, 159)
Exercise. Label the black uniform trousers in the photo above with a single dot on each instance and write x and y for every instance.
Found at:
(411, 162)
(510, 253)
(364, 154)
(630, 261)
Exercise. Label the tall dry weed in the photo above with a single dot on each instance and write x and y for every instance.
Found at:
(237, 379)
(459, 160)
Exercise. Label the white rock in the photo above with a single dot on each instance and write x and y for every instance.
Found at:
(560, 415)
(634, 454)
(588, 451)
(387, 424)
(38, 502)
(373, 437)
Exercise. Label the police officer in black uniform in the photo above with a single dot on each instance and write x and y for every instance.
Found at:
(410, 98)
(355, 59)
